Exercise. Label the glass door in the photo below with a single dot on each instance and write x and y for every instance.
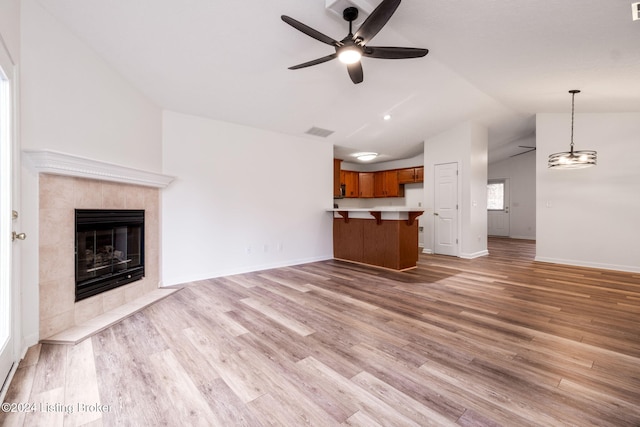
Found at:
(7, 220)
(498, 207)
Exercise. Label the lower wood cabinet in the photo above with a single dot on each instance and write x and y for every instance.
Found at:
(387, 243)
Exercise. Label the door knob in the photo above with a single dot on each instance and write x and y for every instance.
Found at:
(436, 213)
(19, 236)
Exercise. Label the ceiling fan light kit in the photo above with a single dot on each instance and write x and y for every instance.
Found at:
(354, 46)
(349, 54)
(573, 159)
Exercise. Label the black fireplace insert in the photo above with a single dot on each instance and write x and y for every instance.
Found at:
(109, 249)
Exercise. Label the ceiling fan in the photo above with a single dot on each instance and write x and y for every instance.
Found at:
(354, 46)
(529, 149)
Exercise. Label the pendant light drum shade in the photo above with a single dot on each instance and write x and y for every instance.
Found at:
(573, 159)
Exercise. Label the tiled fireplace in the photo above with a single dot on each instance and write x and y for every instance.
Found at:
(60, 194)
(59, 197)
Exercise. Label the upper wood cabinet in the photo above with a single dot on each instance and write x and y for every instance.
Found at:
(410, 175)
(366, 184)
(386, 184)
(336, 177)
(350, 179)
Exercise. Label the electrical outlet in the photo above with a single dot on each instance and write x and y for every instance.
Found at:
(635, 8)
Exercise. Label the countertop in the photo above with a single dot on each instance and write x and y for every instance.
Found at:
(379, 213)
(379, 209)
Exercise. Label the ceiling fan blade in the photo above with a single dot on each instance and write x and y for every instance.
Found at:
(524, 152)
(314, 62)
(310, 31)
(374, 22)
(355, 72)
(394, 52)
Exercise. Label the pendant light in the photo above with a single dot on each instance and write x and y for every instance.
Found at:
(573, 159)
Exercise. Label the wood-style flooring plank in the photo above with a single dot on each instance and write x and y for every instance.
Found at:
(499, 340)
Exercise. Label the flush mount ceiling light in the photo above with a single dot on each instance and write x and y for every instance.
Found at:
(573, 159)
(365, 157)
(386, 117)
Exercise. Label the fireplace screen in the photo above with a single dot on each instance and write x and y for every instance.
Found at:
(109, 249)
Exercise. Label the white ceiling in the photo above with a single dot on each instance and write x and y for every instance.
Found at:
(495, 62)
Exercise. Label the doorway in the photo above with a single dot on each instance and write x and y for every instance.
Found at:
(446, 209)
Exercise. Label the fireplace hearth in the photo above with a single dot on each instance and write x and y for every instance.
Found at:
(109, 249)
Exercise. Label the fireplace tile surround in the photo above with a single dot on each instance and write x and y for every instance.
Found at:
(59, 196)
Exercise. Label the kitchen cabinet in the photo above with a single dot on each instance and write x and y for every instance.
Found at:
(383, 238)
(410, 175)
(337, 163)
(350, 180)
(366, 184)
(386, 184)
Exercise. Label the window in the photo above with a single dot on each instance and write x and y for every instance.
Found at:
(495, 195)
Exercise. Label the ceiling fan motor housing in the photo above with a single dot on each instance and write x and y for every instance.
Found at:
(350, 14)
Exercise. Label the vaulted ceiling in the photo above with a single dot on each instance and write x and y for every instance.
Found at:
(494, 62)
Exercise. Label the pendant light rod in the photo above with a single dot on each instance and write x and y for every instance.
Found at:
(573, 98)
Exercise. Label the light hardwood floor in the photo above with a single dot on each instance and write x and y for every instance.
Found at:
(499, 340)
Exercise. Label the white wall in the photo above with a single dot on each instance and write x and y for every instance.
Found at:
(380, 166)
(73, 102)
(590, 217)
(521, 173)
(10, 27)
(247, 200)
(465, 144)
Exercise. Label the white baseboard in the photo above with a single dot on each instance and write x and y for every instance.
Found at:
(578, 263)
(523, 237)
(475, 254)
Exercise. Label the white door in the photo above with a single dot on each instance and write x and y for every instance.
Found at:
(446, 209)
(7, 219)
(498, 207)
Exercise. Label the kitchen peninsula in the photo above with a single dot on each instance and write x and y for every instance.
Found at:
(384, 237)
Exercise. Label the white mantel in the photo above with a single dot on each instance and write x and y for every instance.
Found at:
(53, 162)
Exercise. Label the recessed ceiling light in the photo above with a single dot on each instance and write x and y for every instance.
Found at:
(387, 117)
(365, 156)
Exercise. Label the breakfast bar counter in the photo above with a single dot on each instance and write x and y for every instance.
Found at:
(384, 237)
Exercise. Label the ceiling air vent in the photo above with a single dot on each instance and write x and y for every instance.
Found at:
(635, 7)
(319, 132)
